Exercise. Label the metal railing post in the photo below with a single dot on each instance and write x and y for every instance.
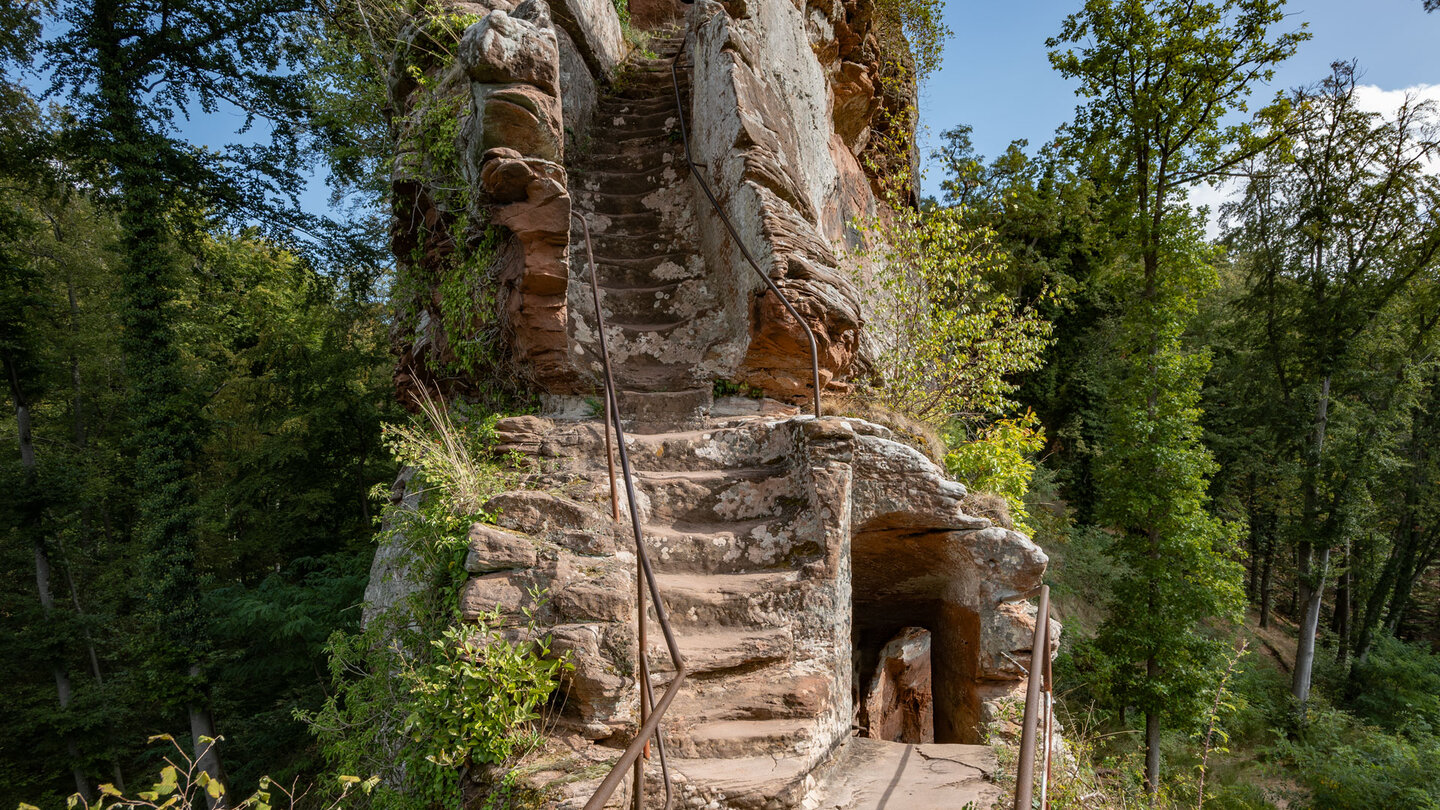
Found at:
(651, 710)
(1039, 653)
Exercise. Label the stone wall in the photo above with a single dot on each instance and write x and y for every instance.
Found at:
(481, 235)
(861, 535)
(782, 110)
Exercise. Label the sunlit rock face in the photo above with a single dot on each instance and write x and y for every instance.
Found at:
(782, 105)
(824, 579)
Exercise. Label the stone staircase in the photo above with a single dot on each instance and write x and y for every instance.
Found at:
(724, 513)
(663, 312)
(730, 520)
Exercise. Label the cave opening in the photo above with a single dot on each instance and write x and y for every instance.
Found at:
(915, 640)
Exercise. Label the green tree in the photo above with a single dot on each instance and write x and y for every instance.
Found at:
(1340, 236)
(1160, 78)
(129, 68)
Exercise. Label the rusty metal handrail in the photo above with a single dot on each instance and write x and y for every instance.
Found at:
(651, 710)
(705, 187)
(1039, 655)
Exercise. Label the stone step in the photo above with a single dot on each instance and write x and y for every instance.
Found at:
(874, 774)
(638, 162)
(714, 651)
(611, 178)
(652, 375)
(659, 120)
(610, 247)
(617, 272)
(626, 137)
(614, 202)
(658, 104)
(652, 411)
(754, 600)
(768, 694)
(743, 738)
(753, 444)
(644, 225)
(743, 783)
(647, 85)
(602, 182)
(711, 496)
(745, 547)
(634, 304)
(639, 147)
(742, 442)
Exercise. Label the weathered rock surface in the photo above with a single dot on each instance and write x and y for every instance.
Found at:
(789, 552)
(820, 575)
(877, 775)
(899, 706)
(781, 114)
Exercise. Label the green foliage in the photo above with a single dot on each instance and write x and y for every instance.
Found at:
(475, 701)
(1177, 557)
(1397, 687)
(184, 785)
(1159, 79)
(948, 341)
(419, 693)
(917, 29)
(296, 378)
(1000, 460)
(1346, 765)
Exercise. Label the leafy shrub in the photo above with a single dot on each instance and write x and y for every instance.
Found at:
(1398, 687)
(419, 693)
(948, 340)
(998, 460)
(1346, 765)
(477, 697)
(184, 785)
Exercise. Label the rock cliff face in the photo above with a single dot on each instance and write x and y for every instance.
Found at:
(537, 115)
(805, 562)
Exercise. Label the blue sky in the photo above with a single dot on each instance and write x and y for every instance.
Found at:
(997, 78)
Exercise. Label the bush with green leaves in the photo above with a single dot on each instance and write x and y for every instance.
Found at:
(184, 785)
(1397, 687)
(421, 694)
(1000, 460)
(949, 341)
(476, 700)
(1347, 765)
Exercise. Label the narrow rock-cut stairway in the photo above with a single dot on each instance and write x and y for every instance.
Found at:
(662, 311)
(724, 513)
(728, 513)
(729, 521)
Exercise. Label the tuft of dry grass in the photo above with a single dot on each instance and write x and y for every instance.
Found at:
(989, 506)
(920, 435)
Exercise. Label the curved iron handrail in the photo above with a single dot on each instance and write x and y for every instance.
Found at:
(705, 187)
(651, 710)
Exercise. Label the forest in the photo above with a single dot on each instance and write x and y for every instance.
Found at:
(1229, 446)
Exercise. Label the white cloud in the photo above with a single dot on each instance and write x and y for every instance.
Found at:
(1375, 99)
(1368, 96)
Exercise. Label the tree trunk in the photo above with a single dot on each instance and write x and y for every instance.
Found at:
(1309, 627)
(31, 499)
(1266, 577)
(1340, 618)
(1312, 574)
(207, 754)
(1152, 756)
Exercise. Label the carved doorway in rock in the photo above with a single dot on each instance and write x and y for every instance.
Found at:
(915, 634)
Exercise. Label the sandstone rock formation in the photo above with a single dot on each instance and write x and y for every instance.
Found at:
(825, 579)
(899, 704)
(539, 114)
(790, 552)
